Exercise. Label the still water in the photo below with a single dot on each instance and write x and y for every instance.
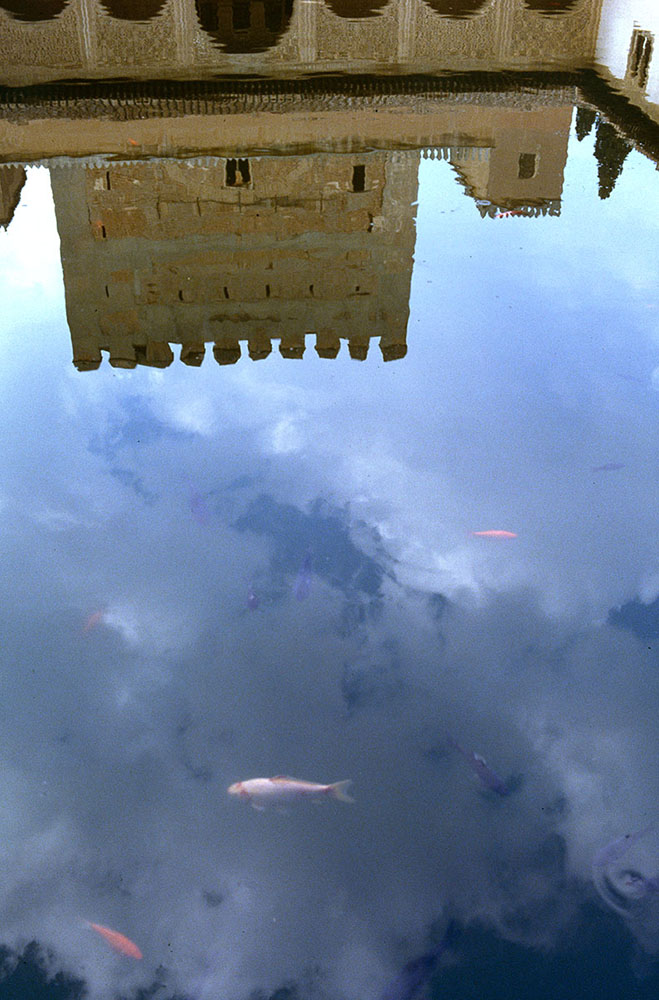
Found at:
(330, 383)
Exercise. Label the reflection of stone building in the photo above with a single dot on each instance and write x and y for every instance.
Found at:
(238, 249)
(87, 39)
(12, 180)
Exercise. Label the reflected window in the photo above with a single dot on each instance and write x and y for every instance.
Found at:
(550, 6)
(640, 54)
(244, 25)
(527, 166)
(358, 177)
(457, 8)
(356, 9)
(133, 10)
(237, 174)
(34, 10)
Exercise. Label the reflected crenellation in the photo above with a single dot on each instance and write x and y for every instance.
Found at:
(245, 250)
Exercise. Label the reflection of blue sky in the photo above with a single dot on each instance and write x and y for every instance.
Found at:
(157, 499)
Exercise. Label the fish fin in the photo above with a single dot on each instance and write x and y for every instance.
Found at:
(283, 777)
(338, 790)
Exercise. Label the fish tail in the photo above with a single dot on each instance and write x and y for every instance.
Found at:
(339, 790)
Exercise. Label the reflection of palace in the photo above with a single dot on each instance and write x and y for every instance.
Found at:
(238, 249)
(149, 39)
(296, 217)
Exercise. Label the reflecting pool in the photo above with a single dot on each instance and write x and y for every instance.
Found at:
(330, 388)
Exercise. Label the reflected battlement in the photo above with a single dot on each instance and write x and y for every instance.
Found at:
(239, 249)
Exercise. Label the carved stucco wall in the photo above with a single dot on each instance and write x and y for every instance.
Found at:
(85, 41)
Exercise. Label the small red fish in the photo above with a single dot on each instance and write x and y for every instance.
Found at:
(118, 942)
(494, 533)
(133, 142)
(94, 619)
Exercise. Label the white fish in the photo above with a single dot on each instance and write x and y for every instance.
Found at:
(282, 790)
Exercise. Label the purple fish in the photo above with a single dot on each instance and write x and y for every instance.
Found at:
(304, 577)
(252, 599)
(608, 467)
(481, 769)
(617, 849)
(416, 973)
(198, 507)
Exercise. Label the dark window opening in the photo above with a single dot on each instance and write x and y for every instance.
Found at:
(107, 179)
(310, 289)
(104, 233)
(209, 11)
(107, 292)
(226, 292)
(274, 16)
(369, 228)
(640, 54)
(526, 166)
(237, 173)
(267, 291)
(180, 294)
(241, 17)
(358, 177)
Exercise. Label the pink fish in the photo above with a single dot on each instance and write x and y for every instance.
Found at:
(118, 942)
(494, 533)
(282, 790)
(93, 620)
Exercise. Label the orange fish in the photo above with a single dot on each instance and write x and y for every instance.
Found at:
(117, 941)
(133, 142)
(94, 619)
(494, 533)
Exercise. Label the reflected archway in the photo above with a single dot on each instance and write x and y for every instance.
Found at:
(457, 8)
(356, 9)
(34, 10)
(550, 6)
(244, 25)
(133, 10)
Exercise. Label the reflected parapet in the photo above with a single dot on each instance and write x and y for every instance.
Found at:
(237, 251)
(133, 10)
(34, 10)
(244, 25)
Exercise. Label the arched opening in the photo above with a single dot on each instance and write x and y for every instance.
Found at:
(457, 8)
(356, 9)
(244, 25)
(133, 10)
(34, 10)
(550, 6)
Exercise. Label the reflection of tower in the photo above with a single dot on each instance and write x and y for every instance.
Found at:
(523, 170)
(12, 180)
(238, 249)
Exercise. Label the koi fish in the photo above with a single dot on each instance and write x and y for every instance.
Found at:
(416, 973)
(303, 581)
(94, 619)
(198, 507)
(282, 790)
(617, 849)
(494, 533)
(481, 769)
(118, 942)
